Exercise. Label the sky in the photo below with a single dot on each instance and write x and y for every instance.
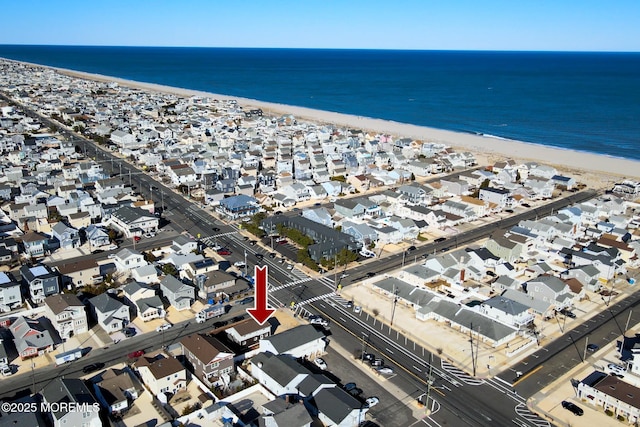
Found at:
(547, 25)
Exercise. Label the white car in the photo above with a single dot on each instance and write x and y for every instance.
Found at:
(616, 370)
(357, 309)
(111, 256)
(164, 327)
(317, 320)
(388, 370)
(239, 264)
(372, 401)
(320, 363)
(289, 266)
(216, 247)
(110, 247)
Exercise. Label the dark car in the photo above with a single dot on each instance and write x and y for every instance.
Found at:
(368, 357)
(259, 256)
(92, 367)
(526, 205)
(371, 274)
(572, 407)
(136, 354)
(97, 251)
(272, 255)
(593, 347)
(411, 248)
(215, 228)
(220, 324)
(246, 300)
(355, 392)
(349, 386)
(253, 242)
(440, 239)
(568, 313)
(237, 319)
(129, 332)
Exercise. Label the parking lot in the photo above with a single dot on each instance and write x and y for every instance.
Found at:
(394, 409)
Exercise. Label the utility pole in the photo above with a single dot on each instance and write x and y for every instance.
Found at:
(429, 384)
(395, 301)
(473, 359)
(586, 345)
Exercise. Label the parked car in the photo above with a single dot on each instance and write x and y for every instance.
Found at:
(568, 313)
(572, 407)
(239, 264)
(372, 401)
(371, 274)
(349, 304)
(616, 370)
(355, 392)
(593, 347)
(215, 229)
(411, 248)
(349, 386)
(247, 300)
(136, 354)
(253, 242)
(357, 309)
(237, 319)
(259, 256)
(137, 238)
(440, 239)
(368, 357)
(320, 363)
(377, 362)
(289, 266)
(220, 324)
(92, 367)
(224, 251)
(129, 332)
(281, 240)
(272, 255)
(164, 327)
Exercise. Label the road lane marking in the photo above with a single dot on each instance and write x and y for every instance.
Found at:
(527, 375)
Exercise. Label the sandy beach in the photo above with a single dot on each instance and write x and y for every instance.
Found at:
(593, 169)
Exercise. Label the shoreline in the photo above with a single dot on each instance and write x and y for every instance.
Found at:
(487, 149)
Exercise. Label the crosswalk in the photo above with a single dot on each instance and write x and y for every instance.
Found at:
(460, 374)
(210, 240)
(289, 284)
(316, 298)
(530, 417)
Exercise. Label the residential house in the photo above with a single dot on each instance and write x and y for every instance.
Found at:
(145, 274)
(128, 259)
(280, 374)
(507, 311)
(320, 215)
(184, 245)
(61, 393)
(338, 408)
(30, 337)
(161, 374)
(209, 357)
(35, 244)
(111, 314)
(41, 281)
(96, 236)
(115, 389)
(301, 341)
(143, 301)
(10, 294)
(68, 237)
(611, 393)
(238, 206)
(67, 314)
(248, 333)
(179, 294)
(132, 221)
(79, 272)
(278, 412)
(550, 289)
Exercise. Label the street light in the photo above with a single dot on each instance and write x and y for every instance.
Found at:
(364, 345)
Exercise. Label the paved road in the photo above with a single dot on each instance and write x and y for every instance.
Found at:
(463, 400)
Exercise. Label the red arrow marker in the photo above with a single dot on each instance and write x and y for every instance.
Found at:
(260, 312)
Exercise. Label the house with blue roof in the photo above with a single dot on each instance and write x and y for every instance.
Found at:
(238, 206)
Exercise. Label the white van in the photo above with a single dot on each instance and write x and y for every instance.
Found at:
(6, 370)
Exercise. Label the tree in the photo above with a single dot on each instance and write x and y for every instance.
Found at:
(170, 270)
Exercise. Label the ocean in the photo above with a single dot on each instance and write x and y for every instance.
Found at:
(582, 101)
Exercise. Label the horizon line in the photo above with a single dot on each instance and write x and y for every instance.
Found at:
(322, 48)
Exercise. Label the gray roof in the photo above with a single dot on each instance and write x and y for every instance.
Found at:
(105, 303)
(537, 305)
(67, 390)
(312, 383)
(172, 284)
(151, 302)
(405, 291)
(281, 368)
(127, 214)
(336, 404)
(468, 318)
(294, 338)
(506, 305)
